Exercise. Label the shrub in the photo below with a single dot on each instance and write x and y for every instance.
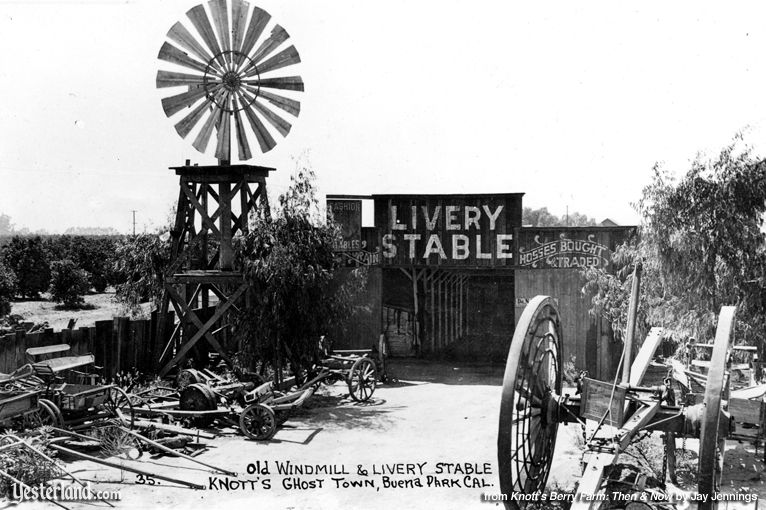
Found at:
(69, 283)
(140, 263)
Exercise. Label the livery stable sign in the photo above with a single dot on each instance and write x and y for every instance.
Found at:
(448, 230)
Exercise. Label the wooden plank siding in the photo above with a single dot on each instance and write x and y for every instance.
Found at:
(551, 261)
(118, 345)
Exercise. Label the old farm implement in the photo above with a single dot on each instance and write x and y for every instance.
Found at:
(72, 405)
(204, 396)
(534, 403)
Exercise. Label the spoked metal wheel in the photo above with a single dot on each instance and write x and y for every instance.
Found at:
(258, 422)
(362, 379)
(49, 413)
(119, 405)
(529, 405)
(713, 430)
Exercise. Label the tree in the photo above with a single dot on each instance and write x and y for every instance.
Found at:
(702, 247)
(27, 258)
(290, 265)
(139, 266)
(543, 218)
(7, 289)
(6, 227)
(69, 283)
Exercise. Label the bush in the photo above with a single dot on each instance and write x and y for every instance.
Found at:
(69, 283)
(27, 258)
(140, 263)
(7, 289)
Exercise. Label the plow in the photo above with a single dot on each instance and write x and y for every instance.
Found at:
(535, 403)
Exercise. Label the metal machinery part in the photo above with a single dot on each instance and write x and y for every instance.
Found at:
(529, 407)
(230, 68)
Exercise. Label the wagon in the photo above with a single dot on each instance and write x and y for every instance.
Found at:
(76, 405)
(534, 403)
(358, 368)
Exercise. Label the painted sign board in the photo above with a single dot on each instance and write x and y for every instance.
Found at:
(348, 214)
(571, 248)
(448, 230)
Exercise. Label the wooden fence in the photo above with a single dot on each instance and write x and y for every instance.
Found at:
(119, 344)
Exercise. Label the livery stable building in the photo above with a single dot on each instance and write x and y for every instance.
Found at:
(449, 275)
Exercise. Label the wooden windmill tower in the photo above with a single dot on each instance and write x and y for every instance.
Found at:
(232, 71)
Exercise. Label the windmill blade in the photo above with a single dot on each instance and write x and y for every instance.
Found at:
(182, 36)
(258, 22)
(203, 137)
(284, 58)
(170, 53)
(223, 149)
(199, 19)
(243, 145)
(284, 83)
(185, 125)
(265, 140)
(277, 37)
(278, 122)
(291, 106)
(239, 10)
(172, 79)
(175, 104)
(221, 19)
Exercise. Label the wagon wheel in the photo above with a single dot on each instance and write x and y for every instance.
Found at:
(199, 397)
(529, 405)
(258, 422)
(362, 379)
(712, 441)
(49, 413)
(186, 377)
(119, 405)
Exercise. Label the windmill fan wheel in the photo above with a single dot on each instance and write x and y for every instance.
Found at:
(233, 70)
(529, 405)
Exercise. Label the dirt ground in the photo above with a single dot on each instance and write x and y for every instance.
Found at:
(436, 413)
(99, 307)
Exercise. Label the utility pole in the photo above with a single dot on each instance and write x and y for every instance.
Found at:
(134, 222)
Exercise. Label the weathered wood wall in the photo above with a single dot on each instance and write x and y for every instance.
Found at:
(362, 330)
(552, 260)
(118, 345)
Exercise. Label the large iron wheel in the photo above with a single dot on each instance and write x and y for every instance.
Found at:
(258, 422)
(362, 379)
(188, 376)
(118, 405)
(712, 440)
(199, 397)
(529, 405)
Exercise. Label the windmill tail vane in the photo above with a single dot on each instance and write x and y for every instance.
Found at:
(233, 71)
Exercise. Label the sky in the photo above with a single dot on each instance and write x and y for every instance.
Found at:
(570, 103)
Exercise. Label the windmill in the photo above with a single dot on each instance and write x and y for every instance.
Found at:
(227, 65)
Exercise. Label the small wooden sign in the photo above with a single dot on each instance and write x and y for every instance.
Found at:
(595, 402)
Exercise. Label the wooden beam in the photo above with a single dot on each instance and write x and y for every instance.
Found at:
(204, 329)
